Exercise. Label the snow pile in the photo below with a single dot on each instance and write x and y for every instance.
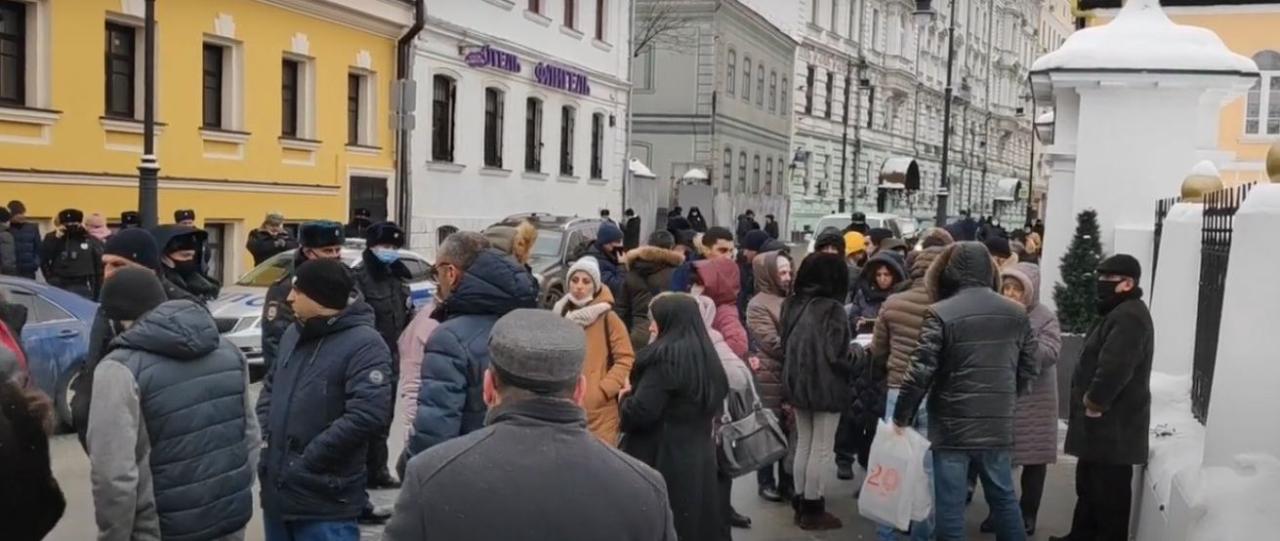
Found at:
(1143, 38)
(1177, 439)
(1205, 169)
(1237, 502)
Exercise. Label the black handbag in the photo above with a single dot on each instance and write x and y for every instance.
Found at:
(749, 437)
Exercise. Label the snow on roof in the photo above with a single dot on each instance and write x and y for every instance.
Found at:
(1143, 38)
(639, 169)
(1046, 118)
(1205, 168)
(695, 174)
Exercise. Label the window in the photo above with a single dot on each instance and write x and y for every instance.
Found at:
(1264, 96)
(494, 103)
(533, 135)
(742, 173)
(567, 119)
(871, 106)
(728, 169)
(875, 29)
(835, 16)
(831, 90)
(601, 5)
(855, 8)
(290, 70)
(597, 145)
(733, 74)
(444, 104)
(773, 92)
(760, 86)
(784, 99)
(768, 176)
(571, 14)
(755, 174)
(808, 90)
(39, 309)
(813, 13)
(354, 89)
(535, 6)
(746, 78)
(212, 88)
(121, 70)
(13, 53)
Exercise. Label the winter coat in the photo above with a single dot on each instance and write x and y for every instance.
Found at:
(26, 238)
(746, 287)
(31, 503)
(631, 233)
(745, 225)
(277, 313)
(817, 360)
(72, 262)
(764, 315)
(412, 347)
(262, 245)
(771, 227)
(321, 403)
(173, 440)
(556, 481)
(719, 278)
(1035, 422)
(868, 298)
(696, 221)
(1114, 375)
(203, 288)
(8, 252)
(450, 398)
(649, 272)
(386, 289)
(607, 364)
(677, 223)
(976, 355)
(612, 273)
(897, 330)
(736, 370)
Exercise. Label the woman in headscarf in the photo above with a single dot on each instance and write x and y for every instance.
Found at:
(879, 279)
(739, 376)
(679, 387)
(773, 282)
(609, 355)
(696, 220)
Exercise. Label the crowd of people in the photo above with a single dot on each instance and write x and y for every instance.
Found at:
(601, 413)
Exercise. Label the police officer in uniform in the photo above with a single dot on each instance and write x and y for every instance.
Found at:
(71, 258)
(319, 240)
(182, 251)
(360, 220)
(185, 217)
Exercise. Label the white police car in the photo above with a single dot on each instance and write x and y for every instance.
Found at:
(238, 311)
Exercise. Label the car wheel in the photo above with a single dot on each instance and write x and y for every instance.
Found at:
(62, 403)
(553, 296)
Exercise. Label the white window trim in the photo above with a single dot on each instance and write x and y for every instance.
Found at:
(367, 132)
(1264, 98)
(139, 60)
(232, 81)
(307, 99)
(36, 89)
(605, 20)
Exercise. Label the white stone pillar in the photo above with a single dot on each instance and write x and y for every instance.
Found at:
(1176, 293)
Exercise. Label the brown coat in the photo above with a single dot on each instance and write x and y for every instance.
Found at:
(1035, 422)
(897, 330)
(764, 312)
(606, 336)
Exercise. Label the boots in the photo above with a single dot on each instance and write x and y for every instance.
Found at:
(814, 516)
(797, 505)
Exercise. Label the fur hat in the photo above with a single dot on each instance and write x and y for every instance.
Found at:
(321, 234)
(130, 218)
(68, 216)
(184, 214)
(384, 233)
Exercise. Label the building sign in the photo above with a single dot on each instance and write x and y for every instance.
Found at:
(561, 79)
(488, 57)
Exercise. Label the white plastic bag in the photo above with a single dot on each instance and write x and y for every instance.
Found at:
(895, 483)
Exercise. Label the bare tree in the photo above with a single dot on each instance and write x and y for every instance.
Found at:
(658, 23)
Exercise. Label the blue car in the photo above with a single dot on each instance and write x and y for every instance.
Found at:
(56, 336)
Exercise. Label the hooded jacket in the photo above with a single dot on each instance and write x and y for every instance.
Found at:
(1035, 423)
(764, 315)
(612, 273)
(31, 503)
(328, 394)
(649, 272)
(197, 284)
(8, 252)
(868, 298)
(736, 370)
(720, 282)
(897, 330)
(172, 438)
(26, 238)
(607, 365)
(450, 398)
(976, 355)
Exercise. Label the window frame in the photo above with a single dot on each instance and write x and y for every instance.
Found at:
(784, 96)
(355, 89)
(811, 74)
(290, 97)
(732, 79)
(442, 148)
(727, 175)
(746, 78)
(742, 172)
(831, 90)
(760, 85)
(773, 91)
(597, 145)
(533, 115)
(495, 105)
(568, 128)
(768, 175)
(213, 79)
(19, 62)
(755, 175)
(534, 6)
(601, 6)
(1266, 94)
(366, 119)
(131, 77)
(571, 14)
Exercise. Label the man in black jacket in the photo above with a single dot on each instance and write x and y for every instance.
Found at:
(630, 230)
(182, 250)
(1111, 404)
(270, 239)
(360, 220)
(383, 280)
(492, 484)
(26, 238)
(320, 240)
(71, 258)
(976, 355)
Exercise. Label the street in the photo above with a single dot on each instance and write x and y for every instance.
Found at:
(770, 521)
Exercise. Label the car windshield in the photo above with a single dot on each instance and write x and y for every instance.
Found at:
(836, 222)
(275, 268)
(548, 243)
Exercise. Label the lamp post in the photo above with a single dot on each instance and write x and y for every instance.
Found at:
(149, 169)
(844, 138)
(924, 12)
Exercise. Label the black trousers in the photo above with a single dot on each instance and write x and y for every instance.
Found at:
(1032, 489)
(1104, 493)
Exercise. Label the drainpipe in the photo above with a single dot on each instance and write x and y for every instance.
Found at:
(404, 161)
(630, 75)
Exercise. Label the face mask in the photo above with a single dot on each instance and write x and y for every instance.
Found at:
(386, 256)
(187, 267)
(1106, 291)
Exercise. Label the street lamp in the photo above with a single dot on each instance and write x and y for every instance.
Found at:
(149, 169)
(925, 12)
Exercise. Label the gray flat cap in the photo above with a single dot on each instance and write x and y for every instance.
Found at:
(537, 350)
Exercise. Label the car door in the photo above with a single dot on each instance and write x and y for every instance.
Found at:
(55, 341)
(421, 289)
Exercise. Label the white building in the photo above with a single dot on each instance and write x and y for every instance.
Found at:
(711, 107)
(1057, 23)
(521, 106)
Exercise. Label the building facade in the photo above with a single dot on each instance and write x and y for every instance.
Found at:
(1057, 22)
(261, 106)
(522, 107)
(712, 114)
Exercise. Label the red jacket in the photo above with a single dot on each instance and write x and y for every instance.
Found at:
(719, 279)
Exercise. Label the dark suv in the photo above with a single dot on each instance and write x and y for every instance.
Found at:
(561, 240)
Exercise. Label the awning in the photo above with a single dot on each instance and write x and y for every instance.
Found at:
(900, 173)
(1008, 189)
(639, 169)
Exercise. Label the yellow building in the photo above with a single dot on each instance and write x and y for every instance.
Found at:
(261, 106)
(1249, 125)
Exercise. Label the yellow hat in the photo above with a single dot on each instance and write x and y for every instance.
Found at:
(854, 242)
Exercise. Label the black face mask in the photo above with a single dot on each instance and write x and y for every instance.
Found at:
(187, 267)
(1106, 292)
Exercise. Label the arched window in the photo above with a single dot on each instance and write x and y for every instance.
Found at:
(732, 79)
(1262, 112)
(742, 172)
(755, 175)
(728, 169)
(768, 176)
(760, 86)
(746, 78)
(773, 92)
(784, 98)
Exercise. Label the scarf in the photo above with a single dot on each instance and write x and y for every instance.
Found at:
(584, 315)
(99, 232)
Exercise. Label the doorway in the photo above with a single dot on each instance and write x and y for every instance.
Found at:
(369, 193)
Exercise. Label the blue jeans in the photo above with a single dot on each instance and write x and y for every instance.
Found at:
(310, 530)
(920, 531)
(951, 490)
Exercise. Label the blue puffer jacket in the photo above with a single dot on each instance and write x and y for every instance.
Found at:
(26, 245)
(326, 396)
(450, 402)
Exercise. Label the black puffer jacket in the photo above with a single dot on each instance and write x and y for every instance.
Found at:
(976, 354)
(386, 290)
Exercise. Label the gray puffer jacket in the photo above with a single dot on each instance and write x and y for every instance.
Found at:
(173, 440)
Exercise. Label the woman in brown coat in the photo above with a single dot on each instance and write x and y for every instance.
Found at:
(607, 366)
(772, 271)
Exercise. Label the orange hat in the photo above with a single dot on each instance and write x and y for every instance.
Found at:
(854, 242)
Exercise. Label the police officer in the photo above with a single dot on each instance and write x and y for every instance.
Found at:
(384, 281)
(70, 257)
(360, 220)
(185, 217)
(130, 219)
(182, 250)
(319, 240)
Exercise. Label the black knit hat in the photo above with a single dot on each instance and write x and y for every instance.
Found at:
(662, 239)
(384, 233)
(878, 234)
(321, 234)
(130, 218)
(1121, 265)
(130, 293)
(68, 216)
(184, 214)
(16, 207)
(5, 215)
(326, 281)
(999, 247)
(754, 240)
(136, 245)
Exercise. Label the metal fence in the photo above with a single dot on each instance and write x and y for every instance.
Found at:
(1219, 220)
(1162, 210)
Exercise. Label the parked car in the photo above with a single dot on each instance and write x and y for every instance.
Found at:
(561, 240)
(891, 222)
(55, 338)
(238, 311)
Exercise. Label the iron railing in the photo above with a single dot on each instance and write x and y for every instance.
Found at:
(1163, 207)
(1219, 220)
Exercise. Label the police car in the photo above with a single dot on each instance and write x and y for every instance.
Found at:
(238, 311)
